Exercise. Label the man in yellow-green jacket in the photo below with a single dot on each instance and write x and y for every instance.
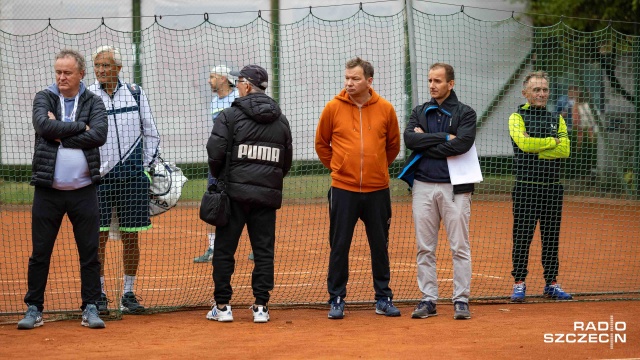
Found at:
(540, 142)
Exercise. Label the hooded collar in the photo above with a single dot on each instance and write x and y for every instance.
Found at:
(344, 96)
(54, 89)
(259, 107)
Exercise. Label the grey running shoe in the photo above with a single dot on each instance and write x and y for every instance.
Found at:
(32, 319)
(90, 317)
(337, 308)
(129, 304)
(424, 310)
(204, 258)
(385, 307)
(461, 311)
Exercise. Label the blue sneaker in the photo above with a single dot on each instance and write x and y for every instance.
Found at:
(555, 292)
(519, 290)
(337, 308)
(32, 319)
(385, 307)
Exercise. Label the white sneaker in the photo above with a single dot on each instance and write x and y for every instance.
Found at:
(260, 313)
(222, 315)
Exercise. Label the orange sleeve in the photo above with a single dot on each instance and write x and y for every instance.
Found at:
(323, 137)
(393, 137)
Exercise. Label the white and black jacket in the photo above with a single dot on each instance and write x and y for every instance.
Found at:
(133, 137)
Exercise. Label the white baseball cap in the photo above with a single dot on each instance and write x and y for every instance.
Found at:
(224, 71)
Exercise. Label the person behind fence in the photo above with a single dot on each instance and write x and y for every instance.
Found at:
(565, 105)
(261, 156)
(70, 124)
(437, 129)
(540, 142)
(357, 138)
(224, 93)
(130, 150)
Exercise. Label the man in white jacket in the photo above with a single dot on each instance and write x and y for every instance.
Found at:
(131, 148)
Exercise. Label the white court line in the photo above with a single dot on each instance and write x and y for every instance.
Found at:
(487, 276)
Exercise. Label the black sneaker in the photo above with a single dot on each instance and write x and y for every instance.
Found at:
(337, 308)
(103, 304)
(129, 304)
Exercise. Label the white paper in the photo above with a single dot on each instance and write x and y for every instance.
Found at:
(465, 168)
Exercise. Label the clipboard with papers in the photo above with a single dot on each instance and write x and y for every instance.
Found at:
(465, 168)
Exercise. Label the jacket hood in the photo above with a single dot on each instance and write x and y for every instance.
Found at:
(259, 107)
(54, 88)
(344, 96)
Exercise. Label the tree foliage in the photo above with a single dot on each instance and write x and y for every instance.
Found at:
(587, 15)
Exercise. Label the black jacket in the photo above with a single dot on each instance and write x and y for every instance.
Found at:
(91, 111)
(528, 166)
(261, 154)
(463, 126)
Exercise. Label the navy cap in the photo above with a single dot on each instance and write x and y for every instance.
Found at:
(255, 74)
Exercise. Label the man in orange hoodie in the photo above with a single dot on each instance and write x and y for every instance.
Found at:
(358, 137)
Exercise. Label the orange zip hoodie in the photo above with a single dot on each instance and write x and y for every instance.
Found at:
(358, 144)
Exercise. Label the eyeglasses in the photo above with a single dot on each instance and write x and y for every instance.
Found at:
(238, 81)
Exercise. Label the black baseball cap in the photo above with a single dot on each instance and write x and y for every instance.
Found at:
(256, 75)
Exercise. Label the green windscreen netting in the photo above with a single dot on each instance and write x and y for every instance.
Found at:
(596, 74)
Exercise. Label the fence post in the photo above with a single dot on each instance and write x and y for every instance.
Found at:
(411, 82)
(275, 49)
(137, 41)
(636, 104)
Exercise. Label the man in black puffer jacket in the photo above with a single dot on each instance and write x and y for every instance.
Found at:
(261, 155)
(70, 124)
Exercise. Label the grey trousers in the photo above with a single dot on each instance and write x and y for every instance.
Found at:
(433, 202)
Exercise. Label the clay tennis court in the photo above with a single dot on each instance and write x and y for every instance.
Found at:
(496, 331)
(593, 251)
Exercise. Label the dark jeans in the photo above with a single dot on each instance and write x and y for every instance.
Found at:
(533, 203)
(261, 226)
(49, 208)
(374, 209)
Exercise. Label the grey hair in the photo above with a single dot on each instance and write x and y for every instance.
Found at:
(110, 49)
(535, 74)
(75, 55)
